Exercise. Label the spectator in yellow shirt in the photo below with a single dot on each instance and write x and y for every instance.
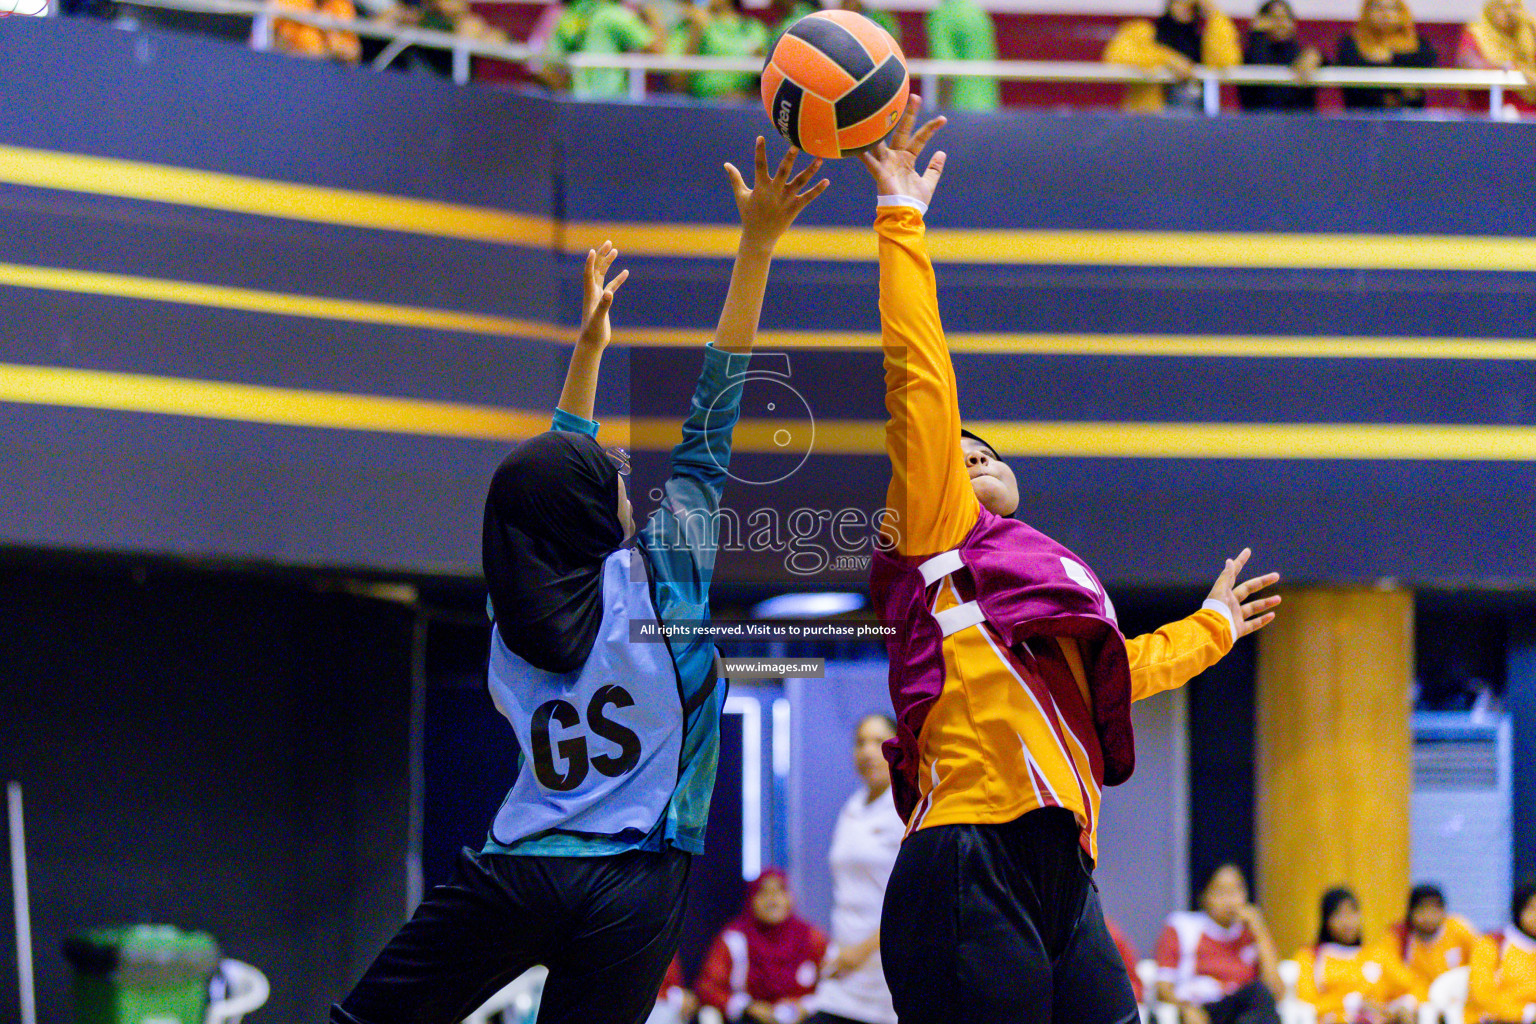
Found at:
(1429, 941)
(1189, 32)
(1347, 981)
(1503, 984)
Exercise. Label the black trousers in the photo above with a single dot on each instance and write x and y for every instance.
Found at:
(606, 927)
(1251, 1004)
(1000, 924)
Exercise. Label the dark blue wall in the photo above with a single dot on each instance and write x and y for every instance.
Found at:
(109, 479)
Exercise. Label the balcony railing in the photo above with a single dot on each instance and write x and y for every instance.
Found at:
(927, 72)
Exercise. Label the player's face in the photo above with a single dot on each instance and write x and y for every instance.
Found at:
(994, 483)
(1502, 14)
(867, 758)
(772, 903)
(1182, 10)
(1527, 920)
(1427, 917)
(1226, 894)
(626, 511)
(1344, 924)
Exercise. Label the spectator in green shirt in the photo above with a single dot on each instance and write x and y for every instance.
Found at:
(720, 30)
(961, 30)
(599, 26)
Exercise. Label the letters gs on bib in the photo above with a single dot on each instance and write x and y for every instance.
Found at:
(572, 746)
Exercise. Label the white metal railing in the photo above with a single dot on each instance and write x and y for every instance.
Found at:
(928, 72)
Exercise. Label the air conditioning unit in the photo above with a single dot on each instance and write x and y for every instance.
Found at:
(1463, 819)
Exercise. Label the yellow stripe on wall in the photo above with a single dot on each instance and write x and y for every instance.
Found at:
(210, 190)
(141, 393)
(220, 400)
(193, 293)
(184, 186)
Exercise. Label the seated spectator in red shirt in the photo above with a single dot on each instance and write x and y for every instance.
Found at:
(1218, 964)
(1127, 953)
(766, 961)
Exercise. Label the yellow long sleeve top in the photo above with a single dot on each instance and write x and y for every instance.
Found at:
(1336, 979)
(991, 748)
(1427, 959)
(1503, 983)
(1135, 43)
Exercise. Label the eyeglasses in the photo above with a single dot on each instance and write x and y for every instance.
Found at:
(620, 458)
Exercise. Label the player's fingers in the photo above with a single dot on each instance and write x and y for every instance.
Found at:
(1254, 625)
(1241, 560)
(804, 199)
(786, 164)
(903, 133)
(920, 141)
(613, 286)
(903, 137)
(1253, 608)
(761, 158)
(798, 182)
(732, 173)
(1255, 585)
(870, 160)
(605, 260)
(935, 169)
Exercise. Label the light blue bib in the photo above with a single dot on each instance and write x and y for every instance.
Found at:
(601, 745)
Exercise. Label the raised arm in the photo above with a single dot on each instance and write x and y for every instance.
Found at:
(931, 504)
(685, 527)
(580, 391)
(1179, 651)
(767, 210)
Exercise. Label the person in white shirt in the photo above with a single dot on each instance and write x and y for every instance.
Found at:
(864, 846)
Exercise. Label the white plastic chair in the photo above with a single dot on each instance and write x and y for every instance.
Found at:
(1447, 1000)
(1146, 973)
(1293, 1010)
(247, 991)
(516, 1002)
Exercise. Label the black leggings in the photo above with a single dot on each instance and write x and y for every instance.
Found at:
(1251, 1004)
(606, 927)
(1001, 924)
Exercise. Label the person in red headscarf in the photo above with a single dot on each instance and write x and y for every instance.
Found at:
(766, 960)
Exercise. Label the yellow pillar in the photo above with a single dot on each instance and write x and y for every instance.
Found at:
(1334, 757)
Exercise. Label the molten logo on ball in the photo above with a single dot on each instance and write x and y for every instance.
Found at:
(835, 83)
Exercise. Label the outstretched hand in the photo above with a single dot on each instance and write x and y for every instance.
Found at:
(1247, 616)
(893, 164)
(772, 202)
(596, 298)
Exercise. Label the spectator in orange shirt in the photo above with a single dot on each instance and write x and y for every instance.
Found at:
(1502, 989)
(1345, 980)
(1218, 964)
(766, 961)
(1429, 941)
(300, 40)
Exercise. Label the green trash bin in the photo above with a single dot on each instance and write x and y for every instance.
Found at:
(141, 974)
